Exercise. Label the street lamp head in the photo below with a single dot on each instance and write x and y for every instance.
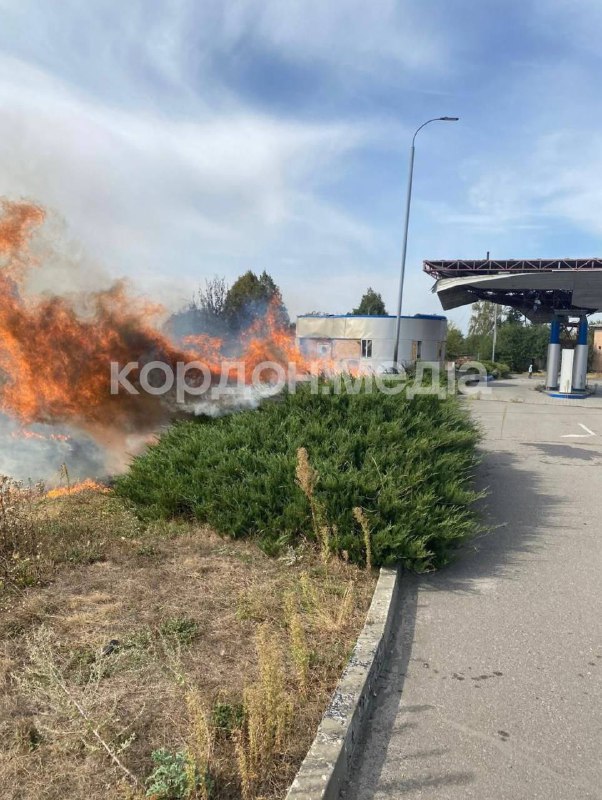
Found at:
(449, 119)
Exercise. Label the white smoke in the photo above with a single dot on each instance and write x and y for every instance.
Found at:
(40, 457)
(228, 400)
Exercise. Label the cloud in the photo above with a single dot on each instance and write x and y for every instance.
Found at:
(186, 53)
(187, 139)
(553, 184)
(131, 123)
(151, 194)
(347, 35)
(572, 25)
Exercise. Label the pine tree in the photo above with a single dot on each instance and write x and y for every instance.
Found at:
(371, 305)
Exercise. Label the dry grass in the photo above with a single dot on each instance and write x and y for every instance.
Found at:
(307, 480)
(362, 520)
(118, 641)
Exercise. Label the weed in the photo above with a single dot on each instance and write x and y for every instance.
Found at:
(174, 776)
(202, 744)
(268, 713)
(227, 717)
(362, 521)
(183, 629)
(347, 605)
(27, 737)
(37, 533)
(147, 550)
(139, 640)
(88, 553)
(21, 562)
(67, 711)
(307, 480)
(299, 650)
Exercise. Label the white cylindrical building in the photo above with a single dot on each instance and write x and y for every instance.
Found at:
(368, 341)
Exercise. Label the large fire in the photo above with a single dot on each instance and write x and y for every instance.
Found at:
(56, 351)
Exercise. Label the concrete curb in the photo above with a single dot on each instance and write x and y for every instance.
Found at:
(328, 762)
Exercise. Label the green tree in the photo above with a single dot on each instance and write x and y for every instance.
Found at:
(518, 345)
(513, 316)
(482, 318)
(249, 297)
(204, 314)
(371, 305)
(479, 340)
(455, 345)
(479, 346)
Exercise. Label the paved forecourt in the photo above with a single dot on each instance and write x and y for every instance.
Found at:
(494, 691)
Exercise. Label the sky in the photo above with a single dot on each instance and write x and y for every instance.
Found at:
(174, 141)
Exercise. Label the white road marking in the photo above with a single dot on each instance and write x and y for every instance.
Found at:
(585, 435)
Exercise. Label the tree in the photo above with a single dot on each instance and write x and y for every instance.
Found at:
(519, 345)
(248, 299)
(479, 346)
(212, 299)
(217, 310)
(204, 314)
(371, 305)
(479, 340)
(455, 345)
(513, 316)
(482, 318)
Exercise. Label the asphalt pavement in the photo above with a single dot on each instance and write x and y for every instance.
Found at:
(494, 689)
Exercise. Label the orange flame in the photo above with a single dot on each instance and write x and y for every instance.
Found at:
(87, 485)
(55, 360)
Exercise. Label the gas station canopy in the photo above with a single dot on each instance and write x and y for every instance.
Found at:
(541, 289)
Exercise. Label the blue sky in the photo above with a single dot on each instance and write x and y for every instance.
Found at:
(179, 140)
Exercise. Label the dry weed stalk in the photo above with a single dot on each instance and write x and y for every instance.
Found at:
(201, 733)
(268, 714)
(298, 641)
(316, 604)
(244, 768)
(64, 475)
(78, 711)
(307, 479)
(202, 742)
(362, 520)
(347, 605)
(20, 559)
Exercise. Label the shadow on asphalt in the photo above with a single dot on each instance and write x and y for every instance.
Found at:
(566, 451)
(511, 522)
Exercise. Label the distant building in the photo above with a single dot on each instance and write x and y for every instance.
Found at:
(367, 342)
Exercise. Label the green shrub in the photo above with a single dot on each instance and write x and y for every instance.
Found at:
(171, 778)
(408, 464)
(227, 717)
(497, 369)
(184, 629)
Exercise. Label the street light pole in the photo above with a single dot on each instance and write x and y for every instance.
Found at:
(406, 228)
(494, 342)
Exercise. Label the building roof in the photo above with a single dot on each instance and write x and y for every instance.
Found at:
(492, 266)
(372, 316)
(541, 289)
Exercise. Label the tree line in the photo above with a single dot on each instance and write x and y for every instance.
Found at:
(225, 311)
(518, 342)
(217, 309)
